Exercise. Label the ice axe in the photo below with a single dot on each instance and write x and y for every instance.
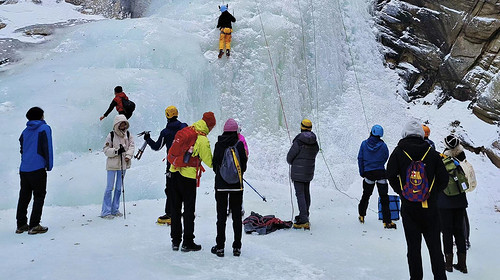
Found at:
(143, 147)
(263, 197)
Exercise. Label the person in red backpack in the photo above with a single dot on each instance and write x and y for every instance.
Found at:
(117, 103)
(419, 218)
(184, 183)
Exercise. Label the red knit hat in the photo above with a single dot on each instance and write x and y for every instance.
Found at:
(209, 119)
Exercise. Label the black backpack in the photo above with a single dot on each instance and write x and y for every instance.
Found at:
(128, 106)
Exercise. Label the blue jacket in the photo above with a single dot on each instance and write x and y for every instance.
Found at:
(166, 135)
(372, 155)
(36, 147)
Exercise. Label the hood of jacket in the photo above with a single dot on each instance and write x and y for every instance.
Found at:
(228, 139)
(306, 137)
(415, 146)
(34, 124)
(374, 143)
(201, 126)
(116, 123)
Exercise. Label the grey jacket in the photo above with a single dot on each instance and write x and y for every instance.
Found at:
(302, 156)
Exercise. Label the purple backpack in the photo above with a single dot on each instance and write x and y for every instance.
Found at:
(416, 187)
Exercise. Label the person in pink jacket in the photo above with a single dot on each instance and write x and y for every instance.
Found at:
(242, 139)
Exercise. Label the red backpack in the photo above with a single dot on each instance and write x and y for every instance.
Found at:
(183, 140)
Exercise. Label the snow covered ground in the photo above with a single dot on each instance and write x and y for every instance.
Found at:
(169, 58)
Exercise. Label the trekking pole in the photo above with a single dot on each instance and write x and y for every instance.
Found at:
(263, 197)
(123, 187)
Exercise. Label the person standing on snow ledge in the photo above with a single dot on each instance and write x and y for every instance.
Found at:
(302, 158)
(118, 103)
(36, 160)
(224, 24)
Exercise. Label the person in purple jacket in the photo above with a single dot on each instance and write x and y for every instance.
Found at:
(36, 160)
(372, 156)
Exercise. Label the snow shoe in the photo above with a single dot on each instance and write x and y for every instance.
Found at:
(217, 251)
(305, 226)
(38, 229)
(361, 219)
(462, 263)
(221, 53)
(22, 229)
(236, 252)
(228, 53)
(390, 225)
(165, 219)
(175, 247)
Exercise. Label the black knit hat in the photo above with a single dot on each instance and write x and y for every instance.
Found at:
(35, 113)
(118, 89)
(451, 141)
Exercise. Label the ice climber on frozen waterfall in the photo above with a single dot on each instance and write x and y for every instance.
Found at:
(225, 27)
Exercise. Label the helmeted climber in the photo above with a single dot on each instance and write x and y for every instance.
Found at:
(225, 27)
(165, 139)
(302, 158)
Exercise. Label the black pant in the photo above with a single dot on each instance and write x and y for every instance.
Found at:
(168, 190)
(35, 183)
(452, 225)
(303, 200)
(183, 192)
(235, 202)
(384, 200)
(417, 222)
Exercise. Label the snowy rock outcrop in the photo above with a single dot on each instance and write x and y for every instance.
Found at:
(453, 44)
(112, 8)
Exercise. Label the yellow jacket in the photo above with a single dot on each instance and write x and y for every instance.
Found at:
(201, 148)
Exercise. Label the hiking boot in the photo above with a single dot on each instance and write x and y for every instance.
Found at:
(118, 214)
(38, 229)
(236, 252)
(448, 263)
(217, 251)
(190, 247)
(22, 229)
(305, 226)
(108, 217)
(390, 225)
(175, 247)
(228, 53)
(165, 219)
(461, 265)
(221, 53)
(361, 219)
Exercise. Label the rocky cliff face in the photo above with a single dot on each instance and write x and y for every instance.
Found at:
(113, 8)
(453, 44)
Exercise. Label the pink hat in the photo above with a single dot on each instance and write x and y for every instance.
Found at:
(230, 125)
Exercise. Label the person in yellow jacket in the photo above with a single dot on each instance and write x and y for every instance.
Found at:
(226, 28)
(184, 188)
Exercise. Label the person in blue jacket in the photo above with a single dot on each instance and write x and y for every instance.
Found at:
(372, 156)
(36, 160)
(165, 139)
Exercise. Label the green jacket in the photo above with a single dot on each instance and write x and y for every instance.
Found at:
(201, 148)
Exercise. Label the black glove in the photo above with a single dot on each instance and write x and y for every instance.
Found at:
(147, 136)
(121, 150)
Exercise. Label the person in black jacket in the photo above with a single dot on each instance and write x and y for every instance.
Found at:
(224, 191)
(302, 157)
(452, 210)
(419, 218)
(165, 139)
(226, 28)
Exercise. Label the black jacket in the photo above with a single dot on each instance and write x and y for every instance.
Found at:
(225, 20)
(434, 168)
(224, 141)
(302, 156)
(166, 135)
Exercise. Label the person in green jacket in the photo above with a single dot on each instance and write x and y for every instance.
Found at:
(184, 187)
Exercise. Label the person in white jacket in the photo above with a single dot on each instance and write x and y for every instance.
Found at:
(119, 149)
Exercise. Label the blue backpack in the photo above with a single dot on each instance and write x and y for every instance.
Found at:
(230, 169)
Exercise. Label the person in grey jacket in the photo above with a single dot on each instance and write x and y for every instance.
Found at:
(302, 157)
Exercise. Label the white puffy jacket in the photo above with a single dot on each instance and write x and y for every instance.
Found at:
(114, 161)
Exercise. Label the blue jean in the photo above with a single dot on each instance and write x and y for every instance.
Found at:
(111, 206)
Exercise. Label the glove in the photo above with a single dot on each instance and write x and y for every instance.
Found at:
(121, 150)
(147, 136)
